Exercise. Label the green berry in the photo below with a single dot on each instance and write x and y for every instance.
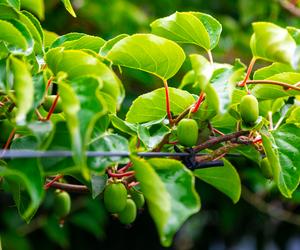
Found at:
(115, 196)
(128, 214)
(249, 109)
(62, 204)
(187, 132)
(266, 168)
(48, 101)
(138, 198)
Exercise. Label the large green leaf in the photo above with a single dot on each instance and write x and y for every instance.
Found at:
(106, 47)
(13, 37)
(60, 60)
(24, 88)
(107, 143)
(271, 91)
(156, 194)
(225, 179)
(189, 27)
(152, 106)
(149, 53)
(284, 156)
(272, 43)
(179, 183)
(273, 69)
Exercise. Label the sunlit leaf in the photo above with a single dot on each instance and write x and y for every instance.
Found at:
(69, 7)
(149, 53)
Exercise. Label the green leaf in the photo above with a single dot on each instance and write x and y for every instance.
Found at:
(179, 183)
(225, 179)
(37, 8)
(107, 143)
(14, 3)
(189, 27)
(156, 194)
(271, 91)
(50, 37)
(25, 173)
(151, 134)
(24, 88)
(123, 126)
(294, 117)
(272, 43)
(59, 60)
(273, 69)
(12, 37)
(295, 33)
(77, 41)
(107, 46)
(59, 139)
(284, 157)
(69, 7)
(152, 106)
(149, 53)
(203, 70)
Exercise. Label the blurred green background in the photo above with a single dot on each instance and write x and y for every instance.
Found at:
(220, 224)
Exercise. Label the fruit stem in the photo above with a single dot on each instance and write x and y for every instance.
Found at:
(125, 168)
(198, 103)
(168, 102)
(49, 83)
(217, 131)
(50, 183)
(120, 175)
(283, 84)
(249, 70)
(52, 107)
(133, 184)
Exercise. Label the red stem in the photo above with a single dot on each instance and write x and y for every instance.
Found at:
(125, 168)
(48, 83)
(52, 107)
(11, 136)
(198, 103)
(168, 102)
(133, 184)
(249, 70)
(49, 184)
(173, 142)
(120, 175)
(217, 131)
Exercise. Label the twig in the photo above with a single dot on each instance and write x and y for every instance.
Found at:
(72, 188)
(219, 139)
(290, 7)
(282, 84)
(269, 209)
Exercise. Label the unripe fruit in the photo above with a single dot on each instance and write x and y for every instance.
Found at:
(115, 196)
(48, 101)
(62, 204)
(128, 214)
(138, 198)
(266, 168)
(249, 109)
(187, 132)
(5, 129)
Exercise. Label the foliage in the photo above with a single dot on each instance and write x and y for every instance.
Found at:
(81, 71)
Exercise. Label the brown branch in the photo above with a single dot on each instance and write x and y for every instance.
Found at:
(72, 188)
(218, 140)
(282, 84)
(216, 154)
(269, 209)
(290, 7)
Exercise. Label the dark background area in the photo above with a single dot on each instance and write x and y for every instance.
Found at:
(250, 224)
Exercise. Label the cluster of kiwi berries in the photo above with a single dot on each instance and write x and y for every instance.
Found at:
(187, 129)
(122, 202)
